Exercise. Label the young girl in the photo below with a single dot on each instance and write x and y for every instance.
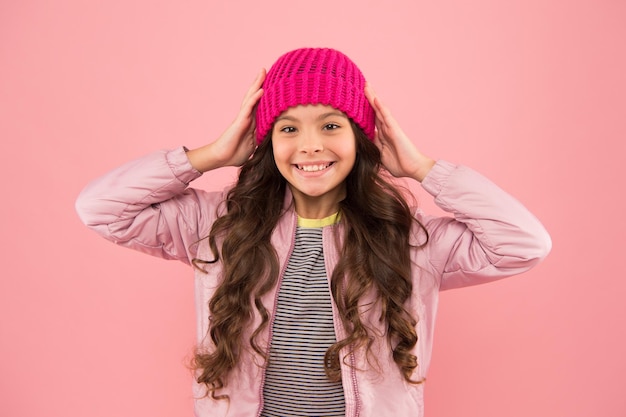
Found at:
(316, 283)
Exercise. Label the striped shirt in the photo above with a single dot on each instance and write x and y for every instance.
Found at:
(295, 382)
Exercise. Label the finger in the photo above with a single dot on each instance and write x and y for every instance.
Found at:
(381, 128)
(378, 142)
(252, 129)
(258, 82)
(369, 94)
(383, 112)
(373, 100)
(379, 137)
(384, 120)
(256, 85)
(249, 104)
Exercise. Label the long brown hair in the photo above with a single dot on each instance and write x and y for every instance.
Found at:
(375, 257)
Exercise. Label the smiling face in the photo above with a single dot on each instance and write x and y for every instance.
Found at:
(314, 149)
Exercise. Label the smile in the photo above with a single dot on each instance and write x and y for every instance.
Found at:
(313, 168)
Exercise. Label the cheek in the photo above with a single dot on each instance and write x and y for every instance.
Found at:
(277, 149)
(281, 155)
(348, 148)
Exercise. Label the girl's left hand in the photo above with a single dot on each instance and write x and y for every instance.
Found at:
(399, 155)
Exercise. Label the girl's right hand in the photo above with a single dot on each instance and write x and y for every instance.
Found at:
(238, 142)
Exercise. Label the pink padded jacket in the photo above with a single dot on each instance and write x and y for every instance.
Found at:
(147, 205)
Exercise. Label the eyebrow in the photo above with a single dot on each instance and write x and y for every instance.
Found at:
(320, 117)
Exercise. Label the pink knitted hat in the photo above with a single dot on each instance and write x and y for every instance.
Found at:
(314, 76)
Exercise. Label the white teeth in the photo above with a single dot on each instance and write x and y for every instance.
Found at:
(312, 168)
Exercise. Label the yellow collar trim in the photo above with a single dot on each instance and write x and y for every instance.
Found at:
(312, 223)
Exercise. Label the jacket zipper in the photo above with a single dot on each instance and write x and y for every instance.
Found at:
(357, 408)
(353, 377)
(271, 324)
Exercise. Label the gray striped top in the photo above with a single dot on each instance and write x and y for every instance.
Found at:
(295, 382)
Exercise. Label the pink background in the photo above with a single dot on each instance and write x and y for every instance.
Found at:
(531, 93)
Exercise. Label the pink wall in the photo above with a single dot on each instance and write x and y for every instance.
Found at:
(529, 92)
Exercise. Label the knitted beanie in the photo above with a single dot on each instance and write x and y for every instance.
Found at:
(314, 76)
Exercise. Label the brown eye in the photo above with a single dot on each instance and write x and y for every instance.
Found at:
(331, 126)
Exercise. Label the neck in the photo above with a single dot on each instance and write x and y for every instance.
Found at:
(315, 208)
(318, 206)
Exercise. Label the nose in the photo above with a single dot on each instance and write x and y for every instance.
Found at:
(310, 142)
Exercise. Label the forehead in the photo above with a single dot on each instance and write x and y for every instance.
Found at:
(311, 111)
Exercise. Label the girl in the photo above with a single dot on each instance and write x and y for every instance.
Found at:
(316, 282)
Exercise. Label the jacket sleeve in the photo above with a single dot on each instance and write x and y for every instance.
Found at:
(146, 205)
(490, 236)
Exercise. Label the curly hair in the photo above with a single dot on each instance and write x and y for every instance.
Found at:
(375, 256)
